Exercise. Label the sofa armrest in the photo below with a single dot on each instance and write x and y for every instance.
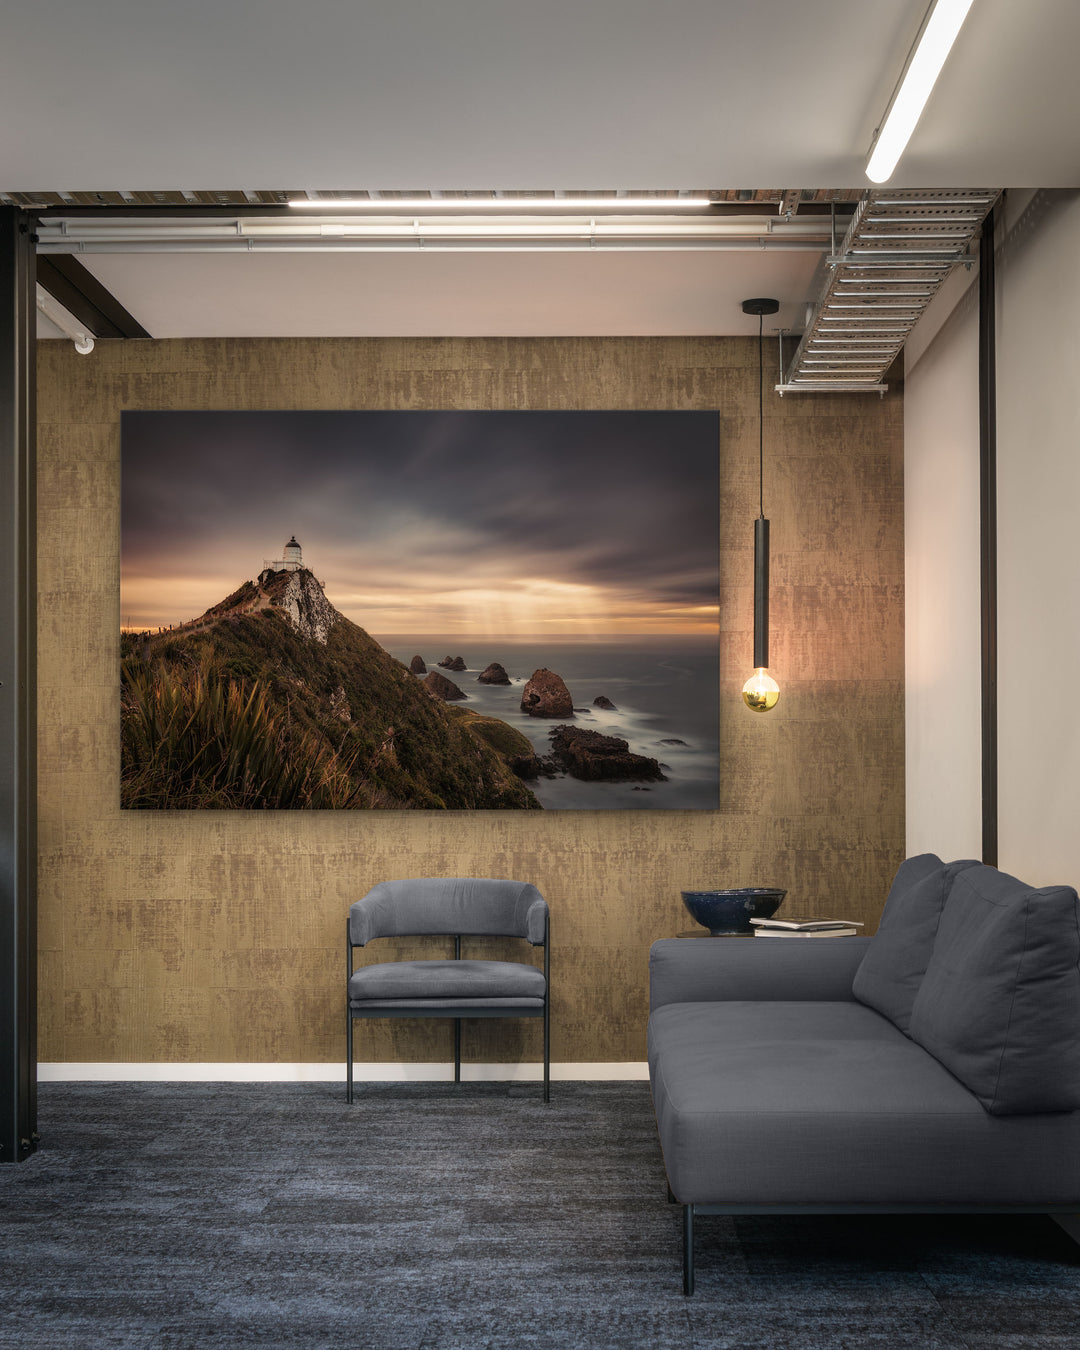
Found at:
(707, 970)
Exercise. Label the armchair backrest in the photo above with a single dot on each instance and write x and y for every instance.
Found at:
(429, 906)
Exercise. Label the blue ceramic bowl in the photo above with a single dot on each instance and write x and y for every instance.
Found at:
(731, 911)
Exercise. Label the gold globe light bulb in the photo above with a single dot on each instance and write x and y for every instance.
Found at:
(760, 691)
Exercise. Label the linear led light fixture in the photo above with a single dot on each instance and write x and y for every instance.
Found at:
(936, 37)
(483, 206)
(306, 232)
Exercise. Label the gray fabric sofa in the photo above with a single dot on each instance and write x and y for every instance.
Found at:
(932, 1067)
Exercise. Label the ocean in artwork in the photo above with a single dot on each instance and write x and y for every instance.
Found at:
(665, 692)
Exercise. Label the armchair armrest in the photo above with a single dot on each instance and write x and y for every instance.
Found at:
(708, 970)
(536, 922)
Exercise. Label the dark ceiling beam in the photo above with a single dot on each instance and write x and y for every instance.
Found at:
(84, 297)
(254, 211)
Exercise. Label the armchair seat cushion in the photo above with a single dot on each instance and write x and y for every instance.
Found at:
(421, 981)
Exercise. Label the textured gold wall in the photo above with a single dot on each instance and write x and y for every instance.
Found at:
(218, 936)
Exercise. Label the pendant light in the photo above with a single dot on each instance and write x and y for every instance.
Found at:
(761, 691)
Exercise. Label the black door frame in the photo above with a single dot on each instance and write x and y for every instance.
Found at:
(18, 687)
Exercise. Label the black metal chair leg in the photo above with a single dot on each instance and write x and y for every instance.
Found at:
(457, 1049)
(688, 1250)
(547, 1055)
(348, 1057)
(348, 1014)
(547, 1008)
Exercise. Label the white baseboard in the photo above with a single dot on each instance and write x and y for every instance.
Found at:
(122, 1072)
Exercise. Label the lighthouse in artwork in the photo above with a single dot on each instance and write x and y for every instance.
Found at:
(292, 561)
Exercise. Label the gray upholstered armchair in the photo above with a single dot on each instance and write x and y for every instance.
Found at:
(456, 907)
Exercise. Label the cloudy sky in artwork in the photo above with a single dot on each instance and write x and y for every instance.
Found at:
(487, 523)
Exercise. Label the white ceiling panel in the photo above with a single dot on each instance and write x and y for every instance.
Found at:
(453, 294)
(515, 94)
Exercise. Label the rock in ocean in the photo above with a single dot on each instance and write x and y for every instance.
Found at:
(545, 695)
(593, 757)
(438, 686)
(417, 666)
(453, 663)
(493, 674)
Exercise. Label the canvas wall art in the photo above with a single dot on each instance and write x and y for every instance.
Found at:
(419, 610)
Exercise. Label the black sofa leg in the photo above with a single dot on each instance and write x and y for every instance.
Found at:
(688, 1250)
(457, 1049)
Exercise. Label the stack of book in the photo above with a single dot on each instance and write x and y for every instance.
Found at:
(815, 928)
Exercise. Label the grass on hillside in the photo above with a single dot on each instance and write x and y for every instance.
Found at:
(196, 738)
(250, 713)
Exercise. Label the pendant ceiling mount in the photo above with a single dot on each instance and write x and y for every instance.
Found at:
(760, 307)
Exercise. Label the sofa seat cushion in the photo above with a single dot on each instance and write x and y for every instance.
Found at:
(891, 972)
(829, 1103)
(416, 981)
(999, 1004)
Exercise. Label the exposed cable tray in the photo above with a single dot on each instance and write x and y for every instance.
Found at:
(899, 248)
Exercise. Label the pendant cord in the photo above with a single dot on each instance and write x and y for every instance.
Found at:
(761, 417)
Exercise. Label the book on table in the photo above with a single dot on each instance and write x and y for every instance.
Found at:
(809, 928)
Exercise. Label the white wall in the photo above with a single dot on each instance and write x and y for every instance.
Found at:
(1038, 375)
(1039, 539)
(941, 505)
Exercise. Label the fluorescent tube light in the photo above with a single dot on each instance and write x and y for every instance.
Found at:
(940, 27)
(482, 206)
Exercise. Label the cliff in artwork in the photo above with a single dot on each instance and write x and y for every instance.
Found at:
(274, 699)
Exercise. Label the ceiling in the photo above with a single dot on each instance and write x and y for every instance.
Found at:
(264, 96)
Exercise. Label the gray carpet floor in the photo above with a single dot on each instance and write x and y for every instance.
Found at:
(429, 1217)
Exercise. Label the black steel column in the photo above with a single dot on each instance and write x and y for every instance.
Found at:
(988, 536)
(18, 690)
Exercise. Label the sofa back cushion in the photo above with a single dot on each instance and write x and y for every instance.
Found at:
(889, 976)
(999, 1004)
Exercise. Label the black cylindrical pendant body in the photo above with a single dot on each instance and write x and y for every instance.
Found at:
(761, 593)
